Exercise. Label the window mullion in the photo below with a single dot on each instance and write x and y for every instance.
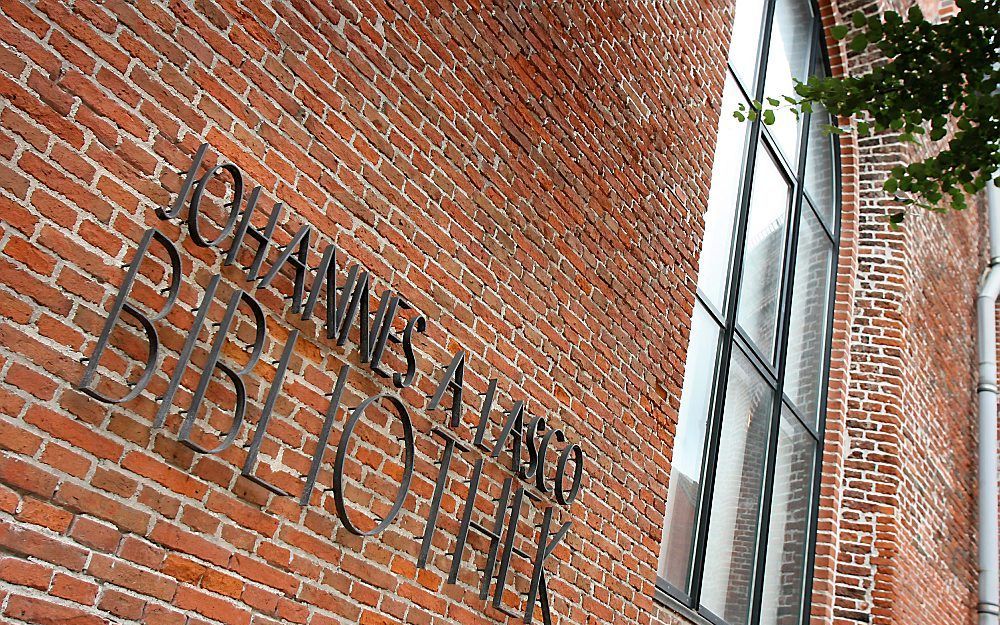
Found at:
(784, 326)
(736, 270)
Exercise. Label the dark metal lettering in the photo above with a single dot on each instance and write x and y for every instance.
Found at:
(508, 548)
(484, 416)
(494, 534)
(514, 427)
(338, 467)
(324, 436)
(414, 324)
(531, 467)
(299, 246)
(544, 447)
(380, 330)
(452, 379)
(265, 417)
(263, 240)
(121, 305)
(235, 376)
(234, 206)
(543, 551)
(450, 443)
(189, 181)
(574, 488)
(200, 314)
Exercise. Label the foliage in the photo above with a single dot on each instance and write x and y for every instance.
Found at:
(940, 85)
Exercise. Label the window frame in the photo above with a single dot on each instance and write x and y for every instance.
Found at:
(757, 137)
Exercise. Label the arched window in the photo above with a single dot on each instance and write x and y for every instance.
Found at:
(741, 503)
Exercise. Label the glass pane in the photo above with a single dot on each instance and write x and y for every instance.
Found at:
(765, 244)
(787, 60)
(807, 330)
(819, 174)
(788, 532)
(722, 199)
(732, 532)
(684, 491)
(744, 46)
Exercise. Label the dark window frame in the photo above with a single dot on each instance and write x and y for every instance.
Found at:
(758, 137)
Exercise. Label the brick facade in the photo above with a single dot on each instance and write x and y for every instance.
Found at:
(532, 180)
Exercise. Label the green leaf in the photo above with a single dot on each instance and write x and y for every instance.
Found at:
(769, 116)
(928, 78)
(774, 101)
(895, 219)
(739, 116)
(890, 185)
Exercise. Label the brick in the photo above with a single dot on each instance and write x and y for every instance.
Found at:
(43, 612)
(24, 573)
(170, 477)
(131, 577)
(73, 432)
(95, 534)
(211, 606)
(94, 504)
(20, 474)
(40, 513)
(36, 544)
(76, 590)
(40, 386)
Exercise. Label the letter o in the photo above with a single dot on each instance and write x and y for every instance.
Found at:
(338, 467)
(542, 449)
(574, 490)
(234, 206)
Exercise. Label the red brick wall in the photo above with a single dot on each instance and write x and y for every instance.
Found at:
(897, 531)
(531, 178)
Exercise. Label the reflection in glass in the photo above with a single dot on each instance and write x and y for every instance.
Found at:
(689, 443)
(732, 532)
(788, 530)
(787, 61)
(765, 242)
(746, 40)
(722, 200)
(807, 331)
(819, 164)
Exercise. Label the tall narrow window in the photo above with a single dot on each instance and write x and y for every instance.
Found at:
(741, 502)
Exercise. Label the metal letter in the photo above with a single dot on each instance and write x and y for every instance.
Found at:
(265, 416)
(442, 479)
(544, 550)
(574, 489)
(338, 467)
(418, 324)
(121, 305)
(185, 356)
(234, 206)
(298, 262)
(189, 181)
(236, 377)
(452, 379)
(324, 436)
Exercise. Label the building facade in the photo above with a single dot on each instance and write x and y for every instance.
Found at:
(462, 313)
